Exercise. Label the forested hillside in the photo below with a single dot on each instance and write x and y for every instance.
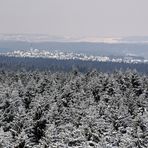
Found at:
(54, 65)
(59, 110)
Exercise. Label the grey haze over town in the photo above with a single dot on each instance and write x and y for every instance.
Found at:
(99, 28)
(121, 49)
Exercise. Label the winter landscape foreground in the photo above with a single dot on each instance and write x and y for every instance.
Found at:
(62, 110)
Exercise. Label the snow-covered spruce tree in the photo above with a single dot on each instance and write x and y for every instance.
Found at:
(44, 109)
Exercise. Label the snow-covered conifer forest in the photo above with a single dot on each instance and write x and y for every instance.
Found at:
(63, 110)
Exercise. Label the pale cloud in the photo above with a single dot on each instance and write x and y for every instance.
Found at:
(75, 17)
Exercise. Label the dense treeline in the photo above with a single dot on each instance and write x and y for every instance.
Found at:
(59, 110)
(54, 65)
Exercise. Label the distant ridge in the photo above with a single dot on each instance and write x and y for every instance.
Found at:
(92, 39)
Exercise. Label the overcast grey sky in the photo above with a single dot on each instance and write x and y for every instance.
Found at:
(75, 17)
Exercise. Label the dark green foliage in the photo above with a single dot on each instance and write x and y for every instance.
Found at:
(96, 95)
(5, 105)
(27, 101)
(37, 132)
(21, 145)
(38, 114)
(74, 143)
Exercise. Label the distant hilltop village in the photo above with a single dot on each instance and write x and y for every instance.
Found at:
(36, 53)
